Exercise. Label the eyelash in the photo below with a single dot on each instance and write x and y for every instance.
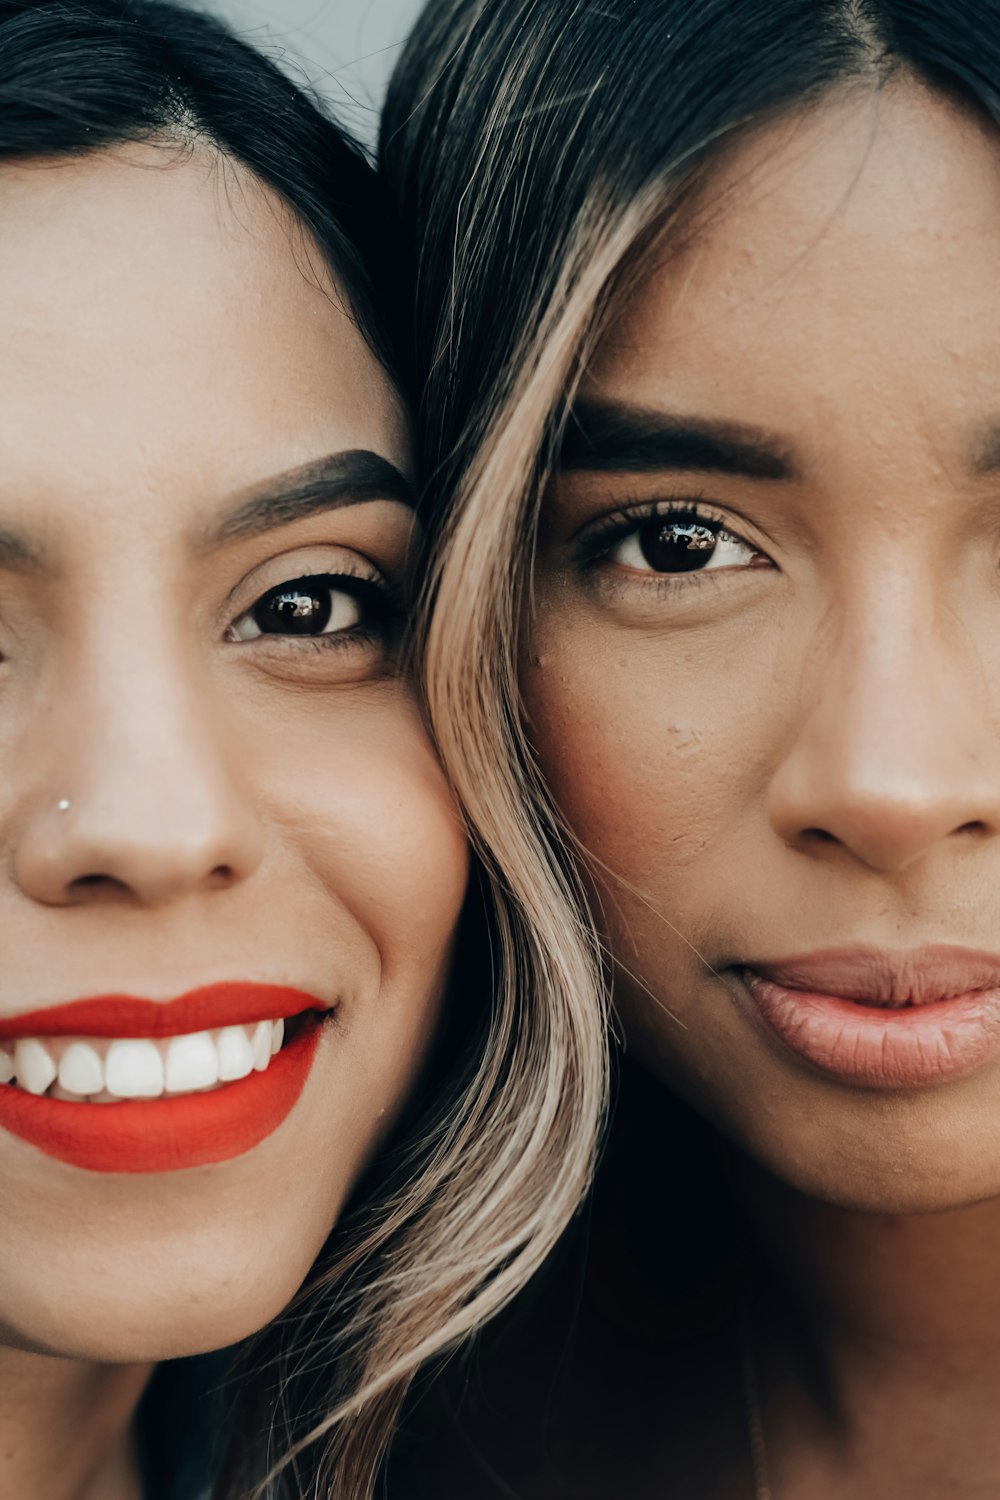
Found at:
(382, 602)
(601, 538)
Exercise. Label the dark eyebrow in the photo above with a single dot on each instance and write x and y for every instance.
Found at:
(329, 483)
(611, 437)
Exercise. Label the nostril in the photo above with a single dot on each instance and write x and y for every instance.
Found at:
(819, 835)
(97, 882)
(977, 827)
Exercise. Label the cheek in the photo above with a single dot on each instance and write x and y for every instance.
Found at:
(366, 878)
(650, 752)
(366, 813)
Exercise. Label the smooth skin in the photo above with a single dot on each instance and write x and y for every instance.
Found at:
(799, 749)
(261, 808)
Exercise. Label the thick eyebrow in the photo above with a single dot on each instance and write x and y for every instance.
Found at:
(611, 437)
(340, 479)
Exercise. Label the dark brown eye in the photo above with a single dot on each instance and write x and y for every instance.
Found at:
(305, 606)
(676, 546)
(666, 545)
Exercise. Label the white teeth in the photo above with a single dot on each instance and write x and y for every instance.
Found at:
(260, 1044)
(104, 1071)
(192, 1063)
(33, 1065)
(133, 1069)
(235, 1054)
(81, 1070)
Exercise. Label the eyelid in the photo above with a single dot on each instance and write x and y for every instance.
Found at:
(373, 588)
(290, 565)
(596, 538)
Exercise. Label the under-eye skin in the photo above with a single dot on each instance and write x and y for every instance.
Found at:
(665, 541)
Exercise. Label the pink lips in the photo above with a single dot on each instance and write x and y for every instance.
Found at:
(884, 1020)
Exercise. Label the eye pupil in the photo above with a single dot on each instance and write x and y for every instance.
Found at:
(293, 610)
(677, 546)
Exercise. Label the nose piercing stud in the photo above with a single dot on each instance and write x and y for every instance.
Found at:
(63, 805)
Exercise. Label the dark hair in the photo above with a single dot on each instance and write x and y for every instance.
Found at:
(509, 122)
(76, 77)
(79, 75)
(467, 1196)
(538, 152)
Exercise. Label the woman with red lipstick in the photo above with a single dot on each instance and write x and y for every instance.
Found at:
(707, 313)
(236, 1112)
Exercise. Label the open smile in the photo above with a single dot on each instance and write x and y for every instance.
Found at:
(117, 1084)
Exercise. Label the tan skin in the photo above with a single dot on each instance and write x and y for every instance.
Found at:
(242, 807)
(798, 749)
(801, 749)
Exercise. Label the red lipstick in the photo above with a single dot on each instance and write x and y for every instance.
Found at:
(878, 1019)
(175, 1131)
(232, 1004)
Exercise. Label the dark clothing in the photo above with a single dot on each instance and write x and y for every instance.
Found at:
(182, 1422)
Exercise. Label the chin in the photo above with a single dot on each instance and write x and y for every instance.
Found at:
(169, 1324)
(877, 1191)
(921, 1155)
(148, 1298)
(878, 1151)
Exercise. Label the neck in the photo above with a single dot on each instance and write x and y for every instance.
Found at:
(899, 1287)
(66, 1427)
(881, 1338)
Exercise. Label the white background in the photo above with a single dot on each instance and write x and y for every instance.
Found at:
(347, 48)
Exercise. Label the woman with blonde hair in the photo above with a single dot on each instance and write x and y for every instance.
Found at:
(275, 1080)
(708, 330)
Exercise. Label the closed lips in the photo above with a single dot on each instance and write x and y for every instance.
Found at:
(882, 1019)
(102, 1070)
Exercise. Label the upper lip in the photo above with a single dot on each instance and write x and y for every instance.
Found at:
(918, 976)
(233, 1003)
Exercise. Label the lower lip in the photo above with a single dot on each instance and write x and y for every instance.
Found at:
(169, 1134)
(908, 1048)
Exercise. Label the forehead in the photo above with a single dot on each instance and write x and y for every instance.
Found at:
(840, 264)
(166, 328)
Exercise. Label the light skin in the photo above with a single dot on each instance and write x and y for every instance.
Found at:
(244, 806)
(799, 749)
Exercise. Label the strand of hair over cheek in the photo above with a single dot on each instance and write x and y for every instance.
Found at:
(485, 1196)
(501, 1183)
(490, 1207)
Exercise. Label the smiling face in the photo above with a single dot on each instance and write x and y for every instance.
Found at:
(205, 539)
(763, 673)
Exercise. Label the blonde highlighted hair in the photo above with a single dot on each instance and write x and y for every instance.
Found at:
(481, 1190)
(543, 155)
(539, 151)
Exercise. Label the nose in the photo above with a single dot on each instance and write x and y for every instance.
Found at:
(137, 800)
(897, 755)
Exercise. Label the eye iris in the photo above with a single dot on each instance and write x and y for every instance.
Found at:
(677, 546)
(293, 611)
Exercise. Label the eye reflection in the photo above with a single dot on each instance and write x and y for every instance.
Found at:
(662, 545)
(320, 605)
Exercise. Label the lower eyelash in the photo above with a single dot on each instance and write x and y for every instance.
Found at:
(336, 640)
